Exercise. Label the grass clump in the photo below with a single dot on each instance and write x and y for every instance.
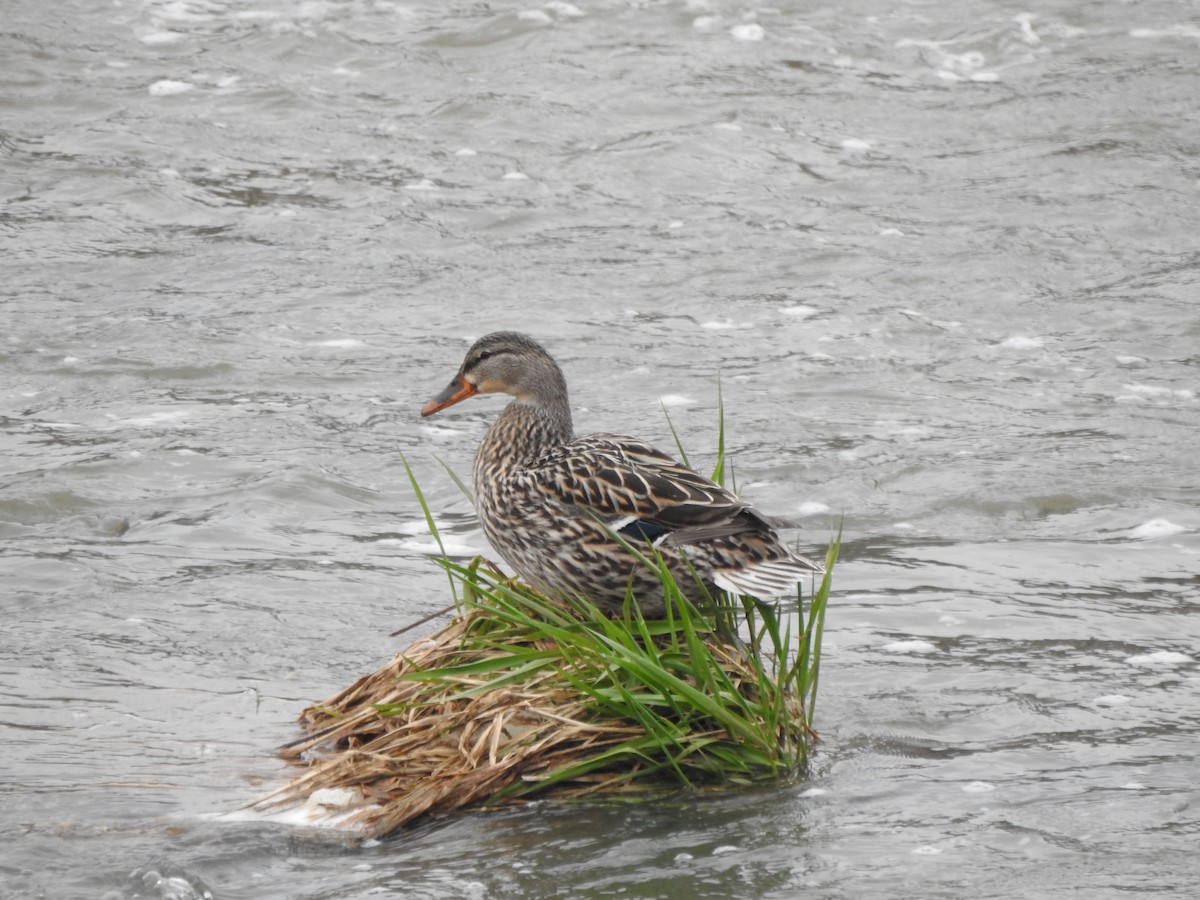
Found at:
(521, 696)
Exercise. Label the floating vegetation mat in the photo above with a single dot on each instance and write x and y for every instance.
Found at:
(520, 696)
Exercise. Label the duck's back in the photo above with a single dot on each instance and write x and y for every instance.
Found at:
(550, 505)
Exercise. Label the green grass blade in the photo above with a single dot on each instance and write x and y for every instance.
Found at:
(412, 480)
(462, 486)
(675, 435)
(718, 473)
(814, 630)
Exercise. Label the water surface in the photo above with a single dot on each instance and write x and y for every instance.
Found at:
(942, 259)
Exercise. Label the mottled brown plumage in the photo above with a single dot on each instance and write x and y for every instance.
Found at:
(549, 502)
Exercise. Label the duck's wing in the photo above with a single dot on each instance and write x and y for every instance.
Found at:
(641, 492)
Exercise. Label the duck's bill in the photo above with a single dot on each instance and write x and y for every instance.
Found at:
(457, 390)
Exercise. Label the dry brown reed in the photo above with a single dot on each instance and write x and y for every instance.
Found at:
(436, 729)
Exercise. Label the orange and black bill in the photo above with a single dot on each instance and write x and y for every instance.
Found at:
(459, 389)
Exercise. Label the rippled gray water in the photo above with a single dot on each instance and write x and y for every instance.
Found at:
(943, 258)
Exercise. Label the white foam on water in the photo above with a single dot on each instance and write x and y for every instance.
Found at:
(1184, 31)
(799, 310)
(1028, 35)
(955, 67)
(174, 887)
(256, 15)
(1156, 528)
(340, 342)
(1155, 393)
(978, 787)
(671, 400)
(451, 544)
(1111, 700)
(912, 646)
(414, 527)
(184, 11)
(749, 32)
(1159, 659)
(566, 10)
(812, 508)
(324, 808)
(1019, 342)
(169, 419)
(169, 88)
(162, 38)
(1148, 390)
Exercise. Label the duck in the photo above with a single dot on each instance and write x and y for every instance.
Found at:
(566, 512)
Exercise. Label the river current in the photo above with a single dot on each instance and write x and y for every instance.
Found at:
(940, 260)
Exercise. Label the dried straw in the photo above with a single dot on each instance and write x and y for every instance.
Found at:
(408, 743)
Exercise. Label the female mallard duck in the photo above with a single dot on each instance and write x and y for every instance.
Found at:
(550, 502)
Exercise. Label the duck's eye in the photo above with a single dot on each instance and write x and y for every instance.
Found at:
(485, 354)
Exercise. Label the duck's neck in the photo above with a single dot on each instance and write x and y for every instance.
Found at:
(523, 432)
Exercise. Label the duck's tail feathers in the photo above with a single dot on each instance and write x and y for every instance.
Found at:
(774, 578)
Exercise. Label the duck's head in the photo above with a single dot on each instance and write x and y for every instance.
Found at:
(504, 362)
